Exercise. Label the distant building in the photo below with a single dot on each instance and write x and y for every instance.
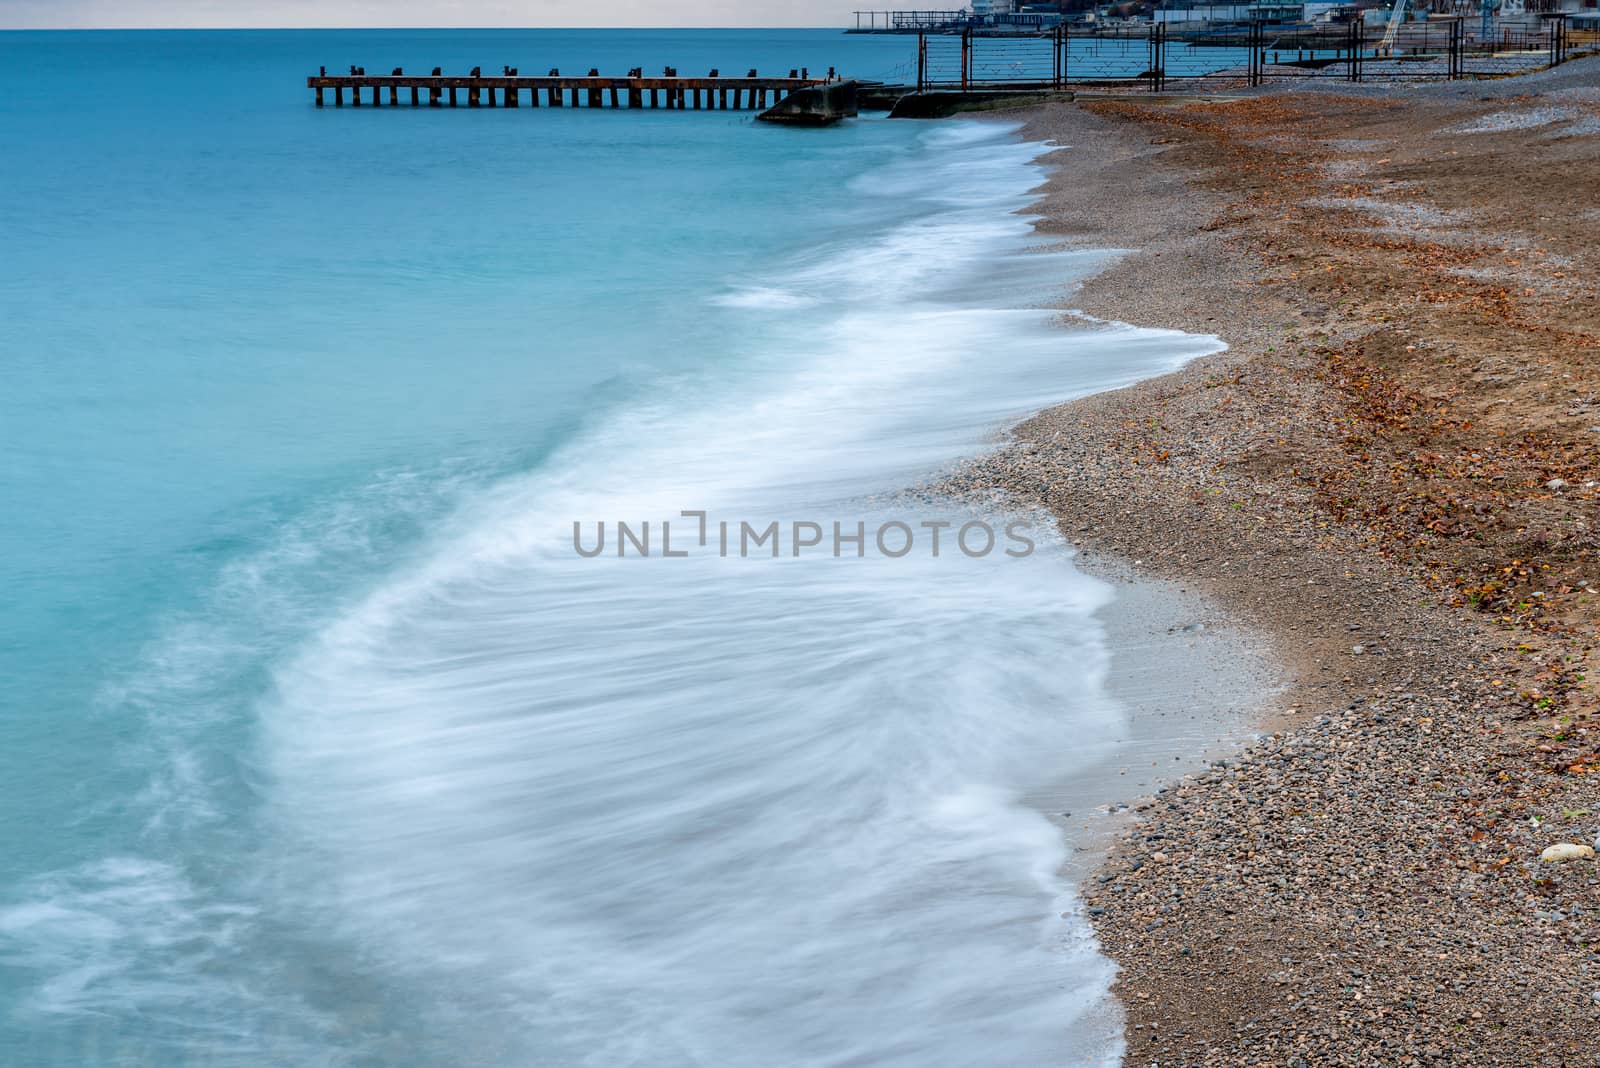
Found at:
(1015, 16)
(1175, 12)
(1203, 11)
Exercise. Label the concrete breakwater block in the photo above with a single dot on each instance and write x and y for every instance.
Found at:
(820, 105)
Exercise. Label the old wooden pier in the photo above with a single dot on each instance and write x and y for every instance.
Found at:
(712, 92)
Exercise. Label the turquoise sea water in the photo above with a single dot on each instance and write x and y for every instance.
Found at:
(322, 746)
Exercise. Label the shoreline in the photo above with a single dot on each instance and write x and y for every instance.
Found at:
(1171, 730)
(1362, 885)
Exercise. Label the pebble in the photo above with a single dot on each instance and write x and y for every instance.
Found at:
(1564, 851)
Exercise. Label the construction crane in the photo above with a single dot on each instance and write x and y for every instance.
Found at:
(1396, 17)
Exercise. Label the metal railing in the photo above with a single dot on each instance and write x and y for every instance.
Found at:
(1156, 56)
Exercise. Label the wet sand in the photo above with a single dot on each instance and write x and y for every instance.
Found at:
(1191, 686)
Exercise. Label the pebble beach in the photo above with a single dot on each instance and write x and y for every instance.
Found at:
(1390, 475)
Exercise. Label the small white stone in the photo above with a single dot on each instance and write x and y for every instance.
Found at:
(1564, 851)
(1556, 484)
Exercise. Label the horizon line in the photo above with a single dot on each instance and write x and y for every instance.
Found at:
(341, 29)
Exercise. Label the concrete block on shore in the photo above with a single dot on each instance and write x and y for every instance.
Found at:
(820, 105)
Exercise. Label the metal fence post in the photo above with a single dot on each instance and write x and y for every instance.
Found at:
(1157, 57)
(966, 58)
(1558, 40)
(922, 61)
(1150, 56)
(1161, 56)
(1160, 67)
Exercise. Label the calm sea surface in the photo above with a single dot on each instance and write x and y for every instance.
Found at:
(321, 745)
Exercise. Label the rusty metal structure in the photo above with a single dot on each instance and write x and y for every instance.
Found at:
(1156, 57)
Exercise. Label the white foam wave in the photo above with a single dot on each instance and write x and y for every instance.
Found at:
(514, 806)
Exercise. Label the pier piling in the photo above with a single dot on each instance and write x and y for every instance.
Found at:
(670, 91)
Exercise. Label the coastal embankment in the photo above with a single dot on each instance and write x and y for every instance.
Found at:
(1392, 473)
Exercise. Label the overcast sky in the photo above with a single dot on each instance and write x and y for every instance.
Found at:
(22, 14)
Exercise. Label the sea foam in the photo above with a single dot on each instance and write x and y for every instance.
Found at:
(508, 805)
